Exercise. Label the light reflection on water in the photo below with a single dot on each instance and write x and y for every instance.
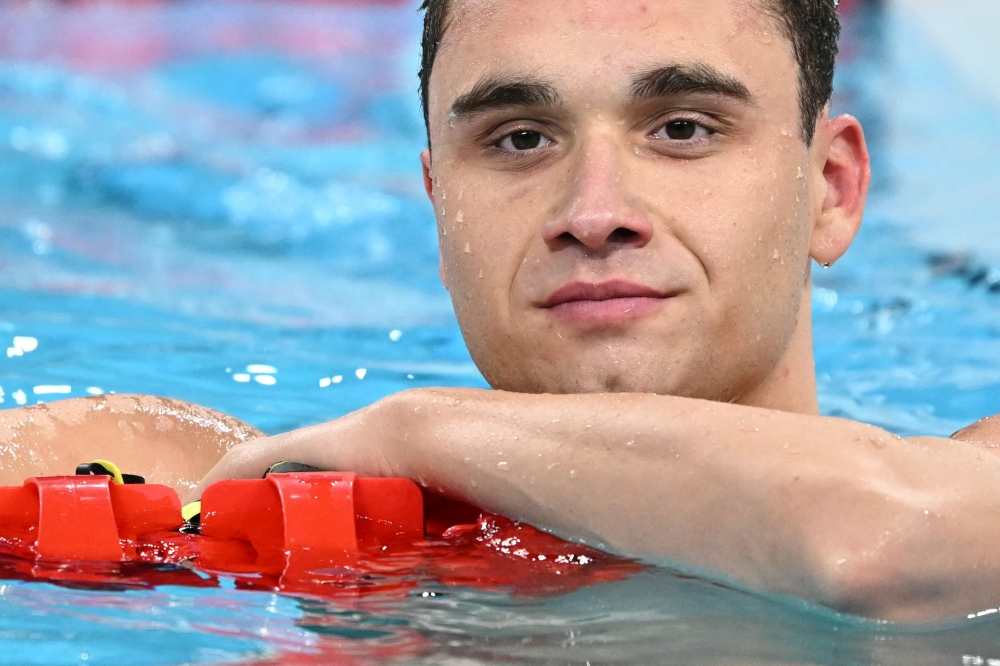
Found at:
(43, 624)
(221, 202)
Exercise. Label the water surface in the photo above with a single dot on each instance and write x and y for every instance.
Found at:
(221, 202)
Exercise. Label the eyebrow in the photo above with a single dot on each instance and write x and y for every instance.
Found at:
(499, 92)
(688, 79)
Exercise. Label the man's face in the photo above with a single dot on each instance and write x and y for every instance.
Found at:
(622, 192)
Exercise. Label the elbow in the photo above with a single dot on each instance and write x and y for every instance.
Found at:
(900, 575)
(907, 537)
(884, 553)
(855, 581)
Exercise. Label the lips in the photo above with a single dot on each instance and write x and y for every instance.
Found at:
(604, 301)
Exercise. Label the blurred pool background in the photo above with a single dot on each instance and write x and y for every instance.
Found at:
(221, 202)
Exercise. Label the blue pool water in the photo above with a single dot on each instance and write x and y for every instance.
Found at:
(221, 202)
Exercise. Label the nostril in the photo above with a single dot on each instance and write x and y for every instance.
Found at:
(623, 235)
(563, 240)
(595, 234)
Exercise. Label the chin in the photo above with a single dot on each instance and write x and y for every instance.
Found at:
(572, 369)
(616, 379)
(610, 384)
(552, 381)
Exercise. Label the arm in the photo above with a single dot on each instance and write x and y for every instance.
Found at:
(834, 511)
(167, 441)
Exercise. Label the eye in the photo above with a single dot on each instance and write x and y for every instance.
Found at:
(683, 130)
(523, 141)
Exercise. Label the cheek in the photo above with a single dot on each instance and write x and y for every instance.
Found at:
(748, 225)
(475, 248)
(761, 282)
(484, 230)
(451, 208)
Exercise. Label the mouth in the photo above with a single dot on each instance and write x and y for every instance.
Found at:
(615, 300)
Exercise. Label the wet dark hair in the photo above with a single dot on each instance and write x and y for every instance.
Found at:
(812, 27)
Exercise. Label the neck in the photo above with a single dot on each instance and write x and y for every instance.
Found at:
(791, 386)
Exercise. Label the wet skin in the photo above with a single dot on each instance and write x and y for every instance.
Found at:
(167, 441)
(583, 143)
(628, 209)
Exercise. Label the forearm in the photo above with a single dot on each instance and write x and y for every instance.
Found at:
(831, 510)
(729, 489)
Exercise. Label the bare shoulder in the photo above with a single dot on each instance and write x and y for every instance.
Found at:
(985, 432)
(168, 441)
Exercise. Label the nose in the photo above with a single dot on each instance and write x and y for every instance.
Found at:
(598, 212)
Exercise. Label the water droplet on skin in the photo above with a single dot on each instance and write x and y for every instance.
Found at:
(468, 250)
(801, 173)
(480, 275)
(776, 255)
(459, 217)
(572, 474)
(708, 191)
(503, 466)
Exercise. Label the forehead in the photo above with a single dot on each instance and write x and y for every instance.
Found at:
(611, 16)
(603, 42)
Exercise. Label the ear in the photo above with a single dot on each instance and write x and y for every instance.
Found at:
(842, 155)
(425, 160)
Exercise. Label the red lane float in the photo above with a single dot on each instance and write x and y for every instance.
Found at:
(317, 533)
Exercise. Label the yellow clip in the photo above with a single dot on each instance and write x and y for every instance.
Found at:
(113, 468)
(191, 510)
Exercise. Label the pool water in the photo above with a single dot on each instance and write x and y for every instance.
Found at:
(220, 202)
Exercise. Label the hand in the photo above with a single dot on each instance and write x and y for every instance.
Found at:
(169, 442)
(362, 442)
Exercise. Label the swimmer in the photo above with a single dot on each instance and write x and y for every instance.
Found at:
(629, 197)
